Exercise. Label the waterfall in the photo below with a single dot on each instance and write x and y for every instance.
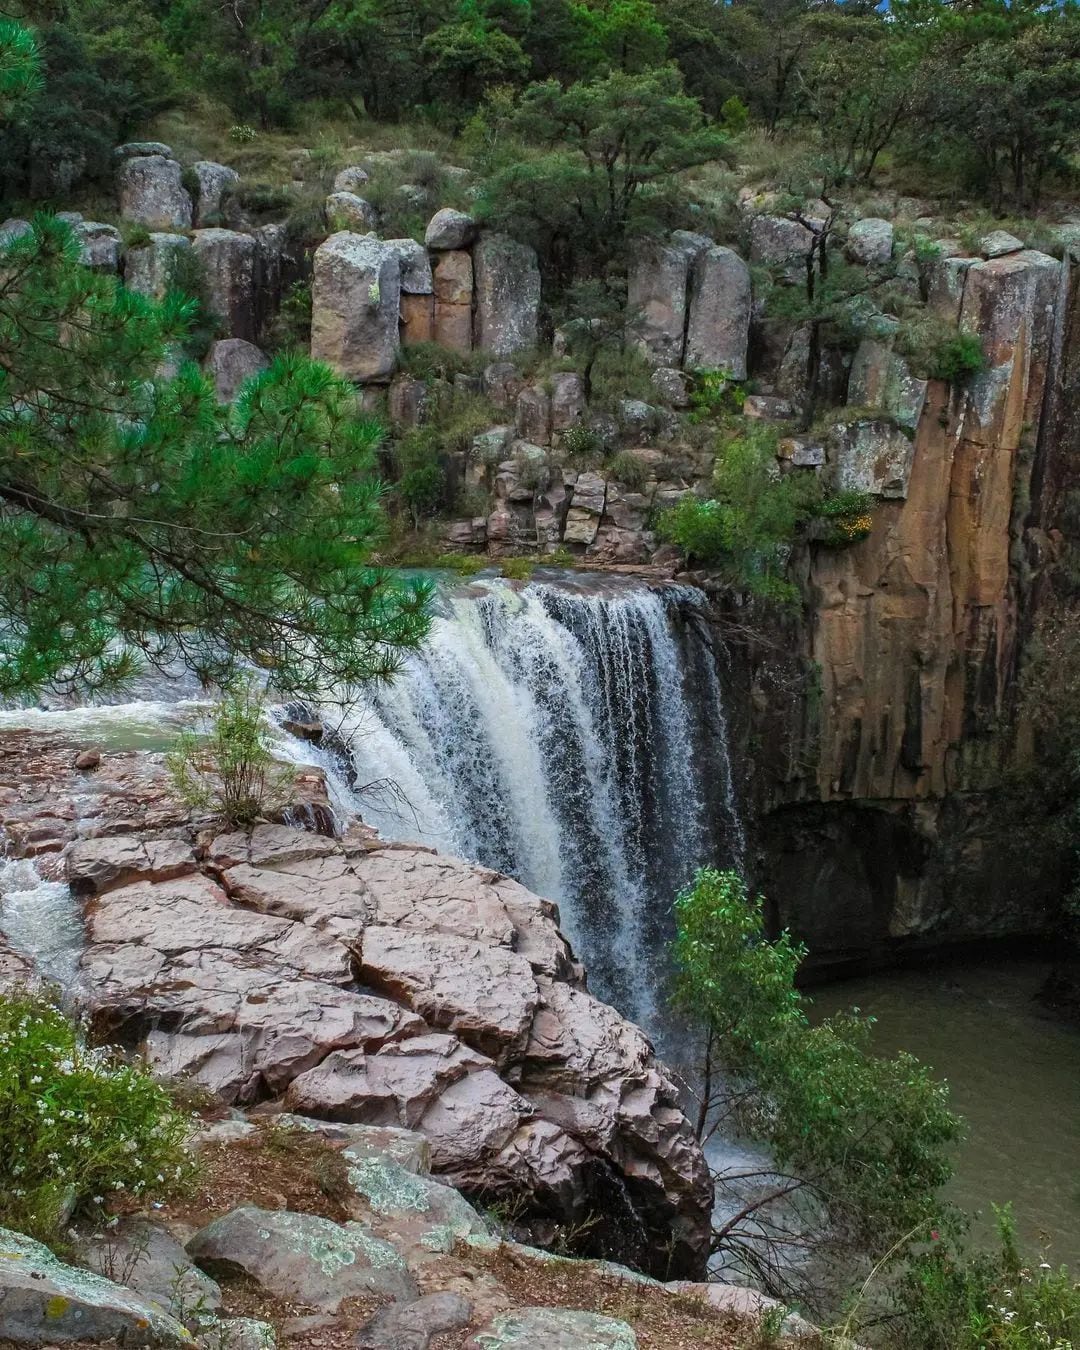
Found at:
(573, 735)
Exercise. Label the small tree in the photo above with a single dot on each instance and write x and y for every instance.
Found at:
(231, 769)
(860, 1144)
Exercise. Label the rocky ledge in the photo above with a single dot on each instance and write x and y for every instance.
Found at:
(350, 980)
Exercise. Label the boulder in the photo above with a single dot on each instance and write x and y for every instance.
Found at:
(507, 283)
(152, 193)
(999, 243)
(301, 1256)
(553, 1329)
(672, 386)
(14, 228)
(874, 456)
(568, 405)
(776, 240)
(767, 408)
(356, 295)
(719, 324)
(227, 258)
(351, 178)
(230, 362)
(149, 1260)
(95, 866)
(216, 182)
(419, 1211)
(881, 379)
(142, 149)
(45, 1302)
(347, 211)
(100, 245)
(450, 229)
(532, 415)
(239, 1333)
(416, 275)
(151, 268)
(657, 295)
(501, 383)
(870, 241)
(453, 285)
(407, 1148)
(412, 1326)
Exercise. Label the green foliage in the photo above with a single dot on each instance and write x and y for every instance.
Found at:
(846, 516)
(581, 445)
(422, 488)
(20, 68)
(230, 769)
(628, 468)
(936, 350)
(734, 114)
(713, 392)
(613, 148)
(145, 523)
(864, 1140)
(984, 1301)
(517, 569)
(76, 1123)
(746, 527)
(958, 356)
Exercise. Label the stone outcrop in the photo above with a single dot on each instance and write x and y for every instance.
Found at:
(228, 262)
(657, 296)
(347, 211)
(215, 183)
(718, 326)
(355, 297)
(507, 278)
(453, 287)
(152, 193)
(150, 268)
(450, 229)
(371, 985)
(231, 362)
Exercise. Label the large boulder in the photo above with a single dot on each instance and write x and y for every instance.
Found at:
(881, 379)
(719, 323)
(412, 1326)
(230, 363)
(149, 1260)
(355, 298)
(657, 295)
(347, 211)
(776, 240)
(100, 245)
(507, 280)
(151, 268)
(875, 456)
(450, 229)
(870, 241)
(301, 1256)
(45, 1302)
(227, 258)
(152, 193)
(215, 183)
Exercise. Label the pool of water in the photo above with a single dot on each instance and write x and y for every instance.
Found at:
(1014, 1075)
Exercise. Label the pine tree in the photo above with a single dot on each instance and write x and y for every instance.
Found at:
(140, 522)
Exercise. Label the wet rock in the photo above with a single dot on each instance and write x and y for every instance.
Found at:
(216, 183)
(149, 1260)
(301, 1256)
(152, 193)
(43, 1301)
(151, 268)
(86, 760)
(450, 229)
(413, 1325)
(230, 363)
(718, 327)
(356, 296)
(507, 281)
(870, 241)
(227, 258)
(347, 211)
(553, 1329)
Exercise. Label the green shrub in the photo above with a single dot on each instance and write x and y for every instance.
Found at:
(231, 769)
(714, 392)
(620, 371)
(936, 350)
(430, 361)
(985, 1301)
(628, 468)
(422, 489)
(265, 199)
(847, 518)
(517, 569)
(958, 356)
(581, 445)
(76, 1123)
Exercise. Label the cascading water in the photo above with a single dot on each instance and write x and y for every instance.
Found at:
(573, 735)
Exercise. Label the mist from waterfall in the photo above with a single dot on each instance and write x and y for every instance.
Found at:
(570, 734)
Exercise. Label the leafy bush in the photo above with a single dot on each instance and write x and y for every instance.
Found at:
(422, 489)
(76, 1123)
(748, 524)
(232, 770)
(713, 392)
(628, 468)
(847, 518)
(958, 356)
(860, 1141)
(938, 351)
(581, 444)
(985, 1301)
(517, 569)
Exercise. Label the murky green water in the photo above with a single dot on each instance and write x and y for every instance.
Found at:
(1014, 1073)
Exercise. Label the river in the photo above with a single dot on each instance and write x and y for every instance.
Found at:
(1014, 1075)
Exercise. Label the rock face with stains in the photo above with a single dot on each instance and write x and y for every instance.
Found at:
(369, 985)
